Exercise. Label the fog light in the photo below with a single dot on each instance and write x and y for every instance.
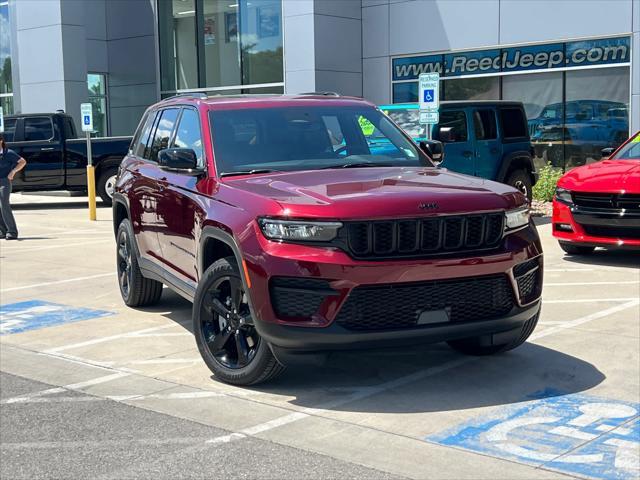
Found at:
(563, 227)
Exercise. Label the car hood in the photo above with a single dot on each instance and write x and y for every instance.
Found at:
(604, 176)
(379, 192)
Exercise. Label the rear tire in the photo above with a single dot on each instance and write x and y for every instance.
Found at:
(570, 249)
(472, 346)
(106, 184)
(135, 289)
(231, 347)
(520, 180)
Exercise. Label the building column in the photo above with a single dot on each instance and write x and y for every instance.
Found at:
(635, 69)
(51, 56)
(323, 46)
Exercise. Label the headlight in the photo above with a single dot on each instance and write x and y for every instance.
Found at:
(517, 218)
(299, 230)
(563, 195)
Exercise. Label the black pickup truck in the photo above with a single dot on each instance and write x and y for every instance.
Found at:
(57, 159)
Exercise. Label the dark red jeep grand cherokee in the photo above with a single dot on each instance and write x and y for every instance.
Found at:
(303, 224)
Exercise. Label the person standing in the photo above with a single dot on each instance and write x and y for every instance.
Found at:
(10, 164)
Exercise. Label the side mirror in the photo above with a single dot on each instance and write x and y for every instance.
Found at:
(607, 152)
(446, 135)
(434, 150)
(183, 160)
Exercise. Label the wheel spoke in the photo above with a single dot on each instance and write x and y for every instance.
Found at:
(219, 341)
(122, 252)
(246, 319)
(218, 307)
(236, 292)
(242, 348)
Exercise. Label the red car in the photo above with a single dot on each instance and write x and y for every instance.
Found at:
(598, 205)
(294, 233)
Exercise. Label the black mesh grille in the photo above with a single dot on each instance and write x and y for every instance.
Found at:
(446, 234)
(528, 276)
(616, 232)
(608, 201)
(298, 297)
(400, 305)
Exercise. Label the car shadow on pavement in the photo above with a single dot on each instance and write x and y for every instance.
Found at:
(607, 258)
(539, 221)
(530, 372)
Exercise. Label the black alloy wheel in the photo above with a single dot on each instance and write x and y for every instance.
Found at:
(125, 271)
(227, 326)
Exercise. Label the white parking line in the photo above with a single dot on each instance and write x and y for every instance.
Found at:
(110, 337)
(58, 282)
(589, 300)
(51, 247)
(73, 386)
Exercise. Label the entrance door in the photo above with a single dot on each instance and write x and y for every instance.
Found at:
(488, 148)
(453, 131)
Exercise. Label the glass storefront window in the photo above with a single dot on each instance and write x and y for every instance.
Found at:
(596, 113)
(218, 43)
(6, 86)
(487, 88)
(541, 94)
(97, 89)
(178, 51)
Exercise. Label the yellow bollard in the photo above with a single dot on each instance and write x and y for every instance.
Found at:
(91, 188)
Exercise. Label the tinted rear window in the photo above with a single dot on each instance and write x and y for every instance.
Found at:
(37, 128)
(514, 124)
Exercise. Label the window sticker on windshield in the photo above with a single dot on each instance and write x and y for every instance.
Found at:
(366, 126)
(409, 153)
(636, 139)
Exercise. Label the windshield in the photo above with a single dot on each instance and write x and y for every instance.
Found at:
(631, 151)
(409, 120)
(308, 138)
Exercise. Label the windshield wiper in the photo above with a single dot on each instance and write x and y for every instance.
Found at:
(248, 172)
(360, 165)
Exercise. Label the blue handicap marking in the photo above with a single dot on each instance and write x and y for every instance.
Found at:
(428, 95)
(577, 434)
(87, 119)
(34, 314)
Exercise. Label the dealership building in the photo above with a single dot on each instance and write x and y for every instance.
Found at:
(575, 65)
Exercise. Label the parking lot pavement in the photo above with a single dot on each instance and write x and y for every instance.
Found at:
(92, 388)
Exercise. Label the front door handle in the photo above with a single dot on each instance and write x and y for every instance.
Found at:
(47, 149)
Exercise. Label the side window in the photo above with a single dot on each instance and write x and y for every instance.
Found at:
(456, 123)
(514, 124)
(37, 128)
(9, 129)
(69, 128)
(484, 123)
(162, 133)
(188, 134)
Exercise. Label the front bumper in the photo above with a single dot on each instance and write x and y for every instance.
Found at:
(293, 339)
(267, 261)
(595, 227)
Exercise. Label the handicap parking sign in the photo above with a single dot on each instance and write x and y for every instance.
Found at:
(87, 120)
(428, 96)
(576, 434)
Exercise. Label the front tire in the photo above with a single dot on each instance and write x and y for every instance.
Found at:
(570, 249)
(224, 328)
(521, 181)
(135, 289)
(472, 346)
(106, 185)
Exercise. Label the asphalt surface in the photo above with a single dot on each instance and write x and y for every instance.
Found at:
(92, 389)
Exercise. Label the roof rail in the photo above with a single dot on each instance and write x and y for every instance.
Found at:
(323, 94)
(189, 94)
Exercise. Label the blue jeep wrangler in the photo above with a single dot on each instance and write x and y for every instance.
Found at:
(488, 139)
